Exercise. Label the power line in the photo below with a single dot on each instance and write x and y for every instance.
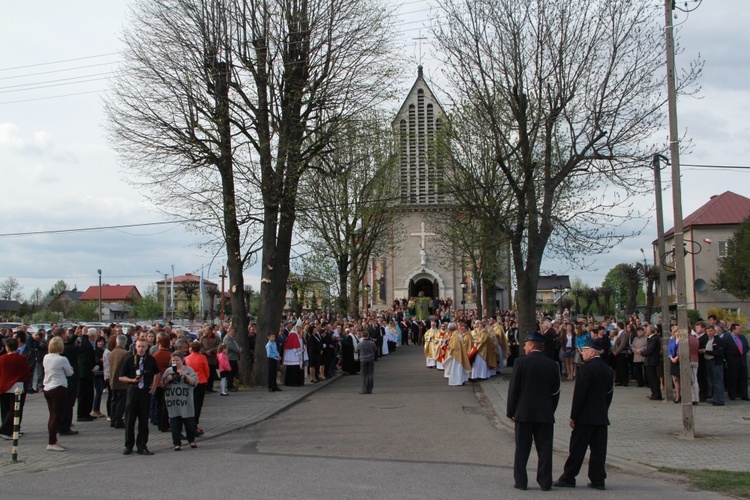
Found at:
(39, 86)
(58, 70)
(98, 228)
(725, 167)
(51, 97)
(58, 62)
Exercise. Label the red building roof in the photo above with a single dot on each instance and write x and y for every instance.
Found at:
(112, 293)
(189, 278)
(721, 210)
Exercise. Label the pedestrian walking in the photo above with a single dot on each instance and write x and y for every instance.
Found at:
(367, 350)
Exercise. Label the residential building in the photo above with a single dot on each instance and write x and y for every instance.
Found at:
(706, 233)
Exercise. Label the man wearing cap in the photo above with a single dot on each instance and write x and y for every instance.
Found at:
(533, 394)
(592, 396)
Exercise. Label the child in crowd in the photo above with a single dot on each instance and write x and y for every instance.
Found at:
(224, 367)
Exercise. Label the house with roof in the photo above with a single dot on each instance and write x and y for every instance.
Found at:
(551, 289)
(117, 300)
(706, 233)
(186, 302)
(113, 294)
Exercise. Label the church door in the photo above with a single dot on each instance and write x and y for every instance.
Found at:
(427, 286)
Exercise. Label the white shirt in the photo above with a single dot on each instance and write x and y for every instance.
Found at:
(56, 369)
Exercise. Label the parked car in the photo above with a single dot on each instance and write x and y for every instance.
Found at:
(12, 326)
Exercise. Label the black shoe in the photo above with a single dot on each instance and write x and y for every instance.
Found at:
(69, 433)
(717, 404)
(563, 484)
(145, 451)
(127, 451)
(546, 488)
(596, 486)
(277, 389)
(85, 419)
(523, 488)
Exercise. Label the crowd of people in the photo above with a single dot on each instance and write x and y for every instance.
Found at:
(159, 376)
(140, 376)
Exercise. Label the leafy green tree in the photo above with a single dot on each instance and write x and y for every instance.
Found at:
(58, 288)
(625, 280)
(85, 311)
(734, 269)
(148, 307)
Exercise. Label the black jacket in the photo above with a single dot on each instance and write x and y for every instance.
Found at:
(592, 394)
(534, 390)
(652, 352)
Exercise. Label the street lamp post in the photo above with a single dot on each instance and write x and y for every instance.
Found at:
(100, 294)
(463, 296)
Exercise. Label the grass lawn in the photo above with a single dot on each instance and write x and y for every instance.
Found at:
(734, 483)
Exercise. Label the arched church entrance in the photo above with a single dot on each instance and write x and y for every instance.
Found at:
(429, 287)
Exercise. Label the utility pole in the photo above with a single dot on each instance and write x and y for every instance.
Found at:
(688, 430)
(223, 275)
(100, 294)
(663, 291)
(164, 289)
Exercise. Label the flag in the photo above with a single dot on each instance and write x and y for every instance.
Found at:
(201, 292)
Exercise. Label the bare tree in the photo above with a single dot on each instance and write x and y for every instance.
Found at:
(477, 199)
(10, 289)
(349, 215)
(568, 94)
(244, 95)
(171, 119)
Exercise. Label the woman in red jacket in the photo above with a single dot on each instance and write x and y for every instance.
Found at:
(198, 362)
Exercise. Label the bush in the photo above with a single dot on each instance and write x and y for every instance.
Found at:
(728, 316)
(694, 316)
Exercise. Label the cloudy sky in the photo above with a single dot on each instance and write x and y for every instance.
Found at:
(59, 174)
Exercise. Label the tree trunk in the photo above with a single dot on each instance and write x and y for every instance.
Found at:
(225, 166)
(343, 300)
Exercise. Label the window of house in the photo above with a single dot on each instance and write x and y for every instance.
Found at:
(723, 249)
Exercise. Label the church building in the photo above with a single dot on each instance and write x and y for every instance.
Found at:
(416, 264)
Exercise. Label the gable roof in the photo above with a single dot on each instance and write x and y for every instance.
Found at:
(70, 294)
(420, 81)
(724, 209)
(9, 305)
(111, 292)
(553, 281)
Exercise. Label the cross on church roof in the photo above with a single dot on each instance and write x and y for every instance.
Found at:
(422, 234)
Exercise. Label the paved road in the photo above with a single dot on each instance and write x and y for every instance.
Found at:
(414, 437)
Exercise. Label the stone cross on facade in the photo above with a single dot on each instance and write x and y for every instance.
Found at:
(422, 234)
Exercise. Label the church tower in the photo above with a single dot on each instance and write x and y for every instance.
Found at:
(414, 266)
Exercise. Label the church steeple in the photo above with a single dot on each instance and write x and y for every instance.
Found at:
(416, 126)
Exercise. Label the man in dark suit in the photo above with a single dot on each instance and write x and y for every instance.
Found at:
(735, 354)
(533, 395)
(589, 418)
(621, 352)
(86, 362)
(652, 357)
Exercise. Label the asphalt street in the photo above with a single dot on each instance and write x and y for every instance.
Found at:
(414, 437)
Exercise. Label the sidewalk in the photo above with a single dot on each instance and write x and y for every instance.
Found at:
(98, 442)
(645, 434)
